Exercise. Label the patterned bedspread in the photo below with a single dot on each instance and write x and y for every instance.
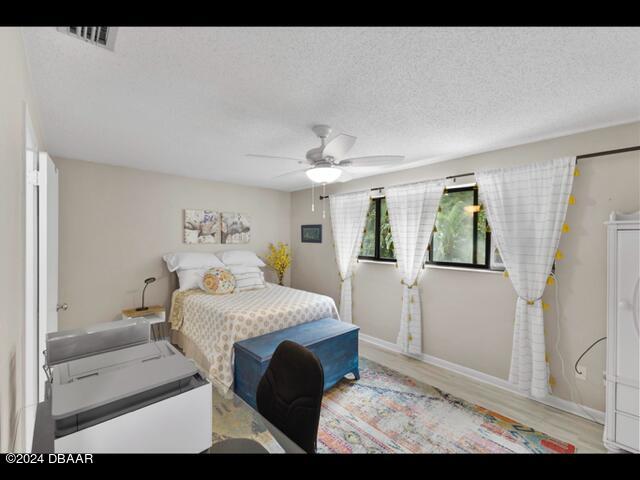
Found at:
(215, 322)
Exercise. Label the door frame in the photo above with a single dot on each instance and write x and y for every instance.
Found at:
(47, 259)
(31, 345)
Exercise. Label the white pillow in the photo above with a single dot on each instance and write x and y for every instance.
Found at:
(190, 278)
(240, 257)
(242, 270)
(250, 282)
(186, 260)
(243, 276)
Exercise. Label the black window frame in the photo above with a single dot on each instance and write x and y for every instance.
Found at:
(487, 253)
(377, 257)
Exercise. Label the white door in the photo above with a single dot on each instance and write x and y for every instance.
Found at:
(47, 257)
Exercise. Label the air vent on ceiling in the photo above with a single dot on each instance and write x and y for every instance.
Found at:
(101, 36)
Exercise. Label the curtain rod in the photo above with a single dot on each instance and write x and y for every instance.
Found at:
(579, 157)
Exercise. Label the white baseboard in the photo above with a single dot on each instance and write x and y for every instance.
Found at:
(552, 401)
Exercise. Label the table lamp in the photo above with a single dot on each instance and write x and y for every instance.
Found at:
(147, 281)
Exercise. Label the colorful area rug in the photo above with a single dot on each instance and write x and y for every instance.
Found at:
(387, 412)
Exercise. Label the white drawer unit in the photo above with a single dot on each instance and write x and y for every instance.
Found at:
(622, 420)
(627, 432)
(627, 399)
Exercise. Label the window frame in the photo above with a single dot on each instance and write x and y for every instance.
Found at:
(377, 257)
(487, 246)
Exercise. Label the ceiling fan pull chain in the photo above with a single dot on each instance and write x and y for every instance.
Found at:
(313, 199)
(324, 195)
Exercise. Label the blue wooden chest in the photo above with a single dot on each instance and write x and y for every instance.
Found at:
(334, 342)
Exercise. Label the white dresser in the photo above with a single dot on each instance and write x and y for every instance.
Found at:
(622, 416)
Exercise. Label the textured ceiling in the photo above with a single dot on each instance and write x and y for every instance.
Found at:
(194, 101)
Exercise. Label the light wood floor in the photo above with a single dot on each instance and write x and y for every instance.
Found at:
(584, 434)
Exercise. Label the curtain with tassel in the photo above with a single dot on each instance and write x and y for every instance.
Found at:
(526, 208)
(348, 218)
(412, 213)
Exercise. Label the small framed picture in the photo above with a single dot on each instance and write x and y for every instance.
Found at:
(311, 233)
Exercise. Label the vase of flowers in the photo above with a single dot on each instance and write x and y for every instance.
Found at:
(279, 258)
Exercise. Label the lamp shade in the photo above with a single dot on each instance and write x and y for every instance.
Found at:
(323, 174)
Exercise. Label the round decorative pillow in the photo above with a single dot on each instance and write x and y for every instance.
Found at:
(218, 281)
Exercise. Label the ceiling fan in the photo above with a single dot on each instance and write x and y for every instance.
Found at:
(327, 162)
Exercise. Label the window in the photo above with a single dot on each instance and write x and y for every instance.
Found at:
(377, 243)
(461, 237)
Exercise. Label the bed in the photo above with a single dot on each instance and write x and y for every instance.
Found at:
(206, 326)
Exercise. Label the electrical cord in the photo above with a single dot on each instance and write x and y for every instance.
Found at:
(575, 367)
(557, 347)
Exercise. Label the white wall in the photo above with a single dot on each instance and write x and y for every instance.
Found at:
(468, 316)
(15, 91)
(116, 223)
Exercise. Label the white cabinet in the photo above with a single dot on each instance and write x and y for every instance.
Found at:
(622, 421)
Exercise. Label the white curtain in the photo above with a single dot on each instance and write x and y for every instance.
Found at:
(412, 213)
(348, 218)
(526, 208)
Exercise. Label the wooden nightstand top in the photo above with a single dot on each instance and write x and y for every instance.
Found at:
(153, 310)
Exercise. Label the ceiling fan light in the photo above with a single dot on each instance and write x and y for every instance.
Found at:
(323, 174)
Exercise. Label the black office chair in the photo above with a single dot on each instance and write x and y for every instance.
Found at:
(289, 394)
(237, 445)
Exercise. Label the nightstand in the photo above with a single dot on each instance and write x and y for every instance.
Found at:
(155, 315)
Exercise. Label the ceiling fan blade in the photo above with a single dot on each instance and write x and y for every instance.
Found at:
(374, 161)
(345, 177)
(339, 146)
(291, 174)
(299, 160)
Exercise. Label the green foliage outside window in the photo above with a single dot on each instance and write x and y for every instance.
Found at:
(385, 240)
(453, 239)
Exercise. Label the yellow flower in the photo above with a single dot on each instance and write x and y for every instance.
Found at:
(279, 258)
